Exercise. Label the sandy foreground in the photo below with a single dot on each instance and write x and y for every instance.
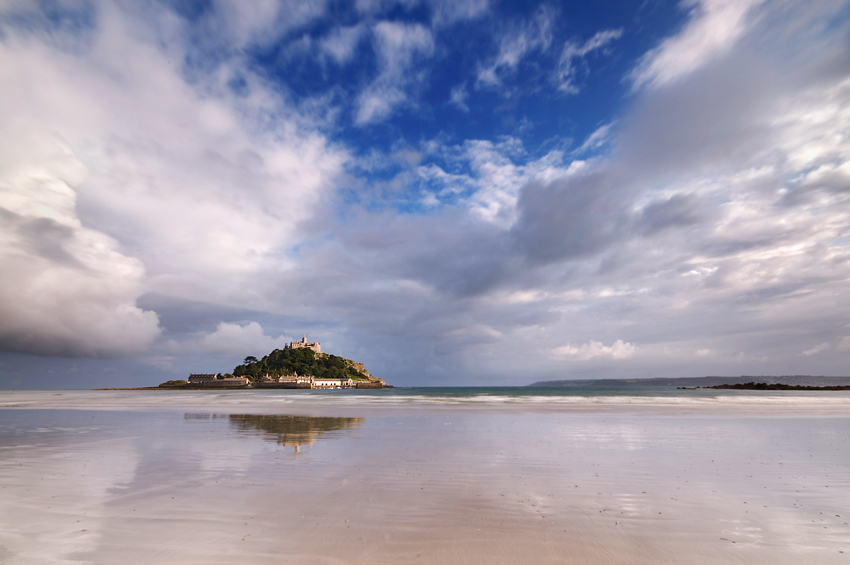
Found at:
(458, 485)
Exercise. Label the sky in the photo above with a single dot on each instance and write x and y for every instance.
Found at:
(453, 192)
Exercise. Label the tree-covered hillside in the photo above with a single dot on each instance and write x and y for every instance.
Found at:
(302, 361)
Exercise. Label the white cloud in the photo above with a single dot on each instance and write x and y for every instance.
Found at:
(819, 348)
(67, 289)
(597, 139)
(447, 12)
(533, 35)
(458, 97)
(342, 42)
(263, 21)
(398, 47)
(714, 28)
(497, 173)
(573, 54)
(378, 6)
(617, 350)
(844, 344)
(229, 340)
(444, 12)
(203, 189)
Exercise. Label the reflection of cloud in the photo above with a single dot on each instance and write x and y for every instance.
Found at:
(50, 483)
(621, 437)
(290, 430)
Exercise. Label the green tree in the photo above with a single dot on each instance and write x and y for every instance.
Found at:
(302, 361)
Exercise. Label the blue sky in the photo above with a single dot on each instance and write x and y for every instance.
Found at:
(451, 192)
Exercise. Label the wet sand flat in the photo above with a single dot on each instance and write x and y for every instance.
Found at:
(426, 485)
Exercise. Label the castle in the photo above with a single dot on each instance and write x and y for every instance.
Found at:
(304, 345)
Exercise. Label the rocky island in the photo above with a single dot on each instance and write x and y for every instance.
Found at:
(300, 364)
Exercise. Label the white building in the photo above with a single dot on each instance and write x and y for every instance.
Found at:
(333, 383)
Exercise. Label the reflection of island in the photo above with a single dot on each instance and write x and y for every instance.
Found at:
(291, 431)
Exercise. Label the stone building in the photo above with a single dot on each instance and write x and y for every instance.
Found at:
(228, 382)
(296, 378)
(201, 378)
(210, 380)
(303, 344)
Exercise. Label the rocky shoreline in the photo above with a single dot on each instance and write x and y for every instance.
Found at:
(251, 386)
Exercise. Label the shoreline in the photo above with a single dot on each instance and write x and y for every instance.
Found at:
(354, 404)
(244, 387)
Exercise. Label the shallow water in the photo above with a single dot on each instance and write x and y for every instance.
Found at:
(408, 399)
(251, 477)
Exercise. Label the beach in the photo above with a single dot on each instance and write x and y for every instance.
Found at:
(417, 476)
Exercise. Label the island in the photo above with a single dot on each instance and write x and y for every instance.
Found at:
(299, 365)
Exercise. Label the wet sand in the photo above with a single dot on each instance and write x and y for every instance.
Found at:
(428, 485)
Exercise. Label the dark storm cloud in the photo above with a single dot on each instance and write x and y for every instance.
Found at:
(569, 218)
(678, 211)
(43, 237)
(179, 315)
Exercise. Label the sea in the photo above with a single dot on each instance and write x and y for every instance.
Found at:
(537, 475)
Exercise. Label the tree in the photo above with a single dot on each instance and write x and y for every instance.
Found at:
(302, 361)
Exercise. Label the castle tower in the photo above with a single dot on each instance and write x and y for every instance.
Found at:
(304, 344)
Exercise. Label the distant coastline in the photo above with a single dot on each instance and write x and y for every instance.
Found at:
(776, 386)
(704, 382)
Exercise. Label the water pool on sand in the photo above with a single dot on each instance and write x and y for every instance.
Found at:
(361, 483)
